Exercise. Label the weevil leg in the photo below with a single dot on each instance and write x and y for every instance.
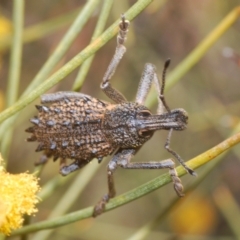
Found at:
(59, 96)
(120, 156)
(149, 76)
(177, 156)
(111, 92)
(67, 169)
(168, 163)
(161, 95)
(43, 159)
(145, 82)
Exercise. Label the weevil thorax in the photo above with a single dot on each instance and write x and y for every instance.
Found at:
(121, 125)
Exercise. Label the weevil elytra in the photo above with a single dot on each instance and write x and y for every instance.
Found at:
(76, 126)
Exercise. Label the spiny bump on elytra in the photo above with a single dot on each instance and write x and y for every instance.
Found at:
(32, 138)
(38, 107)
(66, 123)
(78, 144)
(35, 120)
(30, 130)
(45, 109)
(77, 123)
(53, 145)
(57, 110)
(40, 147)
(88, 111)
(66, 100)
(50, 123)
(64, 144)
(41, 108)
(100, 159)
(72, 111)
(87, 99)
(94, 151)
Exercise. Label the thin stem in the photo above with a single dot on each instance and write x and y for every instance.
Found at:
(64, 44)
(71, 195)
(98, 30)
(16, 52)
(137, 192)
(198, 52)
(60, 50)
(42, 29)
(72, 64)
(144, 231)
(15, 66)
(229, 208)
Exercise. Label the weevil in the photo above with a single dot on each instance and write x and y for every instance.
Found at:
(76, 126)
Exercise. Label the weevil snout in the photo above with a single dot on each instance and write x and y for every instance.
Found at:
(147, 123)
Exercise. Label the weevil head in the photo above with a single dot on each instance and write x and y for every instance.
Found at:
(132, 124)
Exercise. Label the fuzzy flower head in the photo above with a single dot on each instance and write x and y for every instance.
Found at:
(17, 197)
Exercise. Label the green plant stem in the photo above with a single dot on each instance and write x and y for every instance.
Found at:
(229, 208)
(107, 4)
(42, 29)
(144, 231)
(69, 197)
(15, 67)
(16, 52)
(60, 50)
(137, 192)
(74, 63)
(185, 65)
(64, 45)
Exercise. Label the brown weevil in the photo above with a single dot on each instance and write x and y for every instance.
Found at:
(76, 126)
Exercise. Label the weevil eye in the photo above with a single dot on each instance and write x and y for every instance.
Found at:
(144, 133)
(144, 113)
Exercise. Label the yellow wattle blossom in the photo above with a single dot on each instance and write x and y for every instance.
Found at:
(5, 26)
(17, 197)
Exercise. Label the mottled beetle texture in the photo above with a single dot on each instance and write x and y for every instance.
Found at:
(76, 126)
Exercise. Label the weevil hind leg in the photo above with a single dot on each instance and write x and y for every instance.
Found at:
(100, 206)
(122, 158)
(67, 169)
(168, 163)
(42, 160)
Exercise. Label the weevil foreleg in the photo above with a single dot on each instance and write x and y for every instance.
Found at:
(149, 77)
(177, 156)
(111, 92)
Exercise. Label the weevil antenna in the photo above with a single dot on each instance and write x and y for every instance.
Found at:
(166, 65)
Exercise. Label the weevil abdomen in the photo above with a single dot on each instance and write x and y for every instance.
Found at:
(71, 128)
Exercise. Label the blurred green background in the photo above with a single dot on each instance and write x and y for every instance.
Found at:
(209, 92)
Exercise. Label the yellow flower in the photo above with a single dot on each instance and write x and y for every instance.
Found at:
(5, 26)
(17, 197)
